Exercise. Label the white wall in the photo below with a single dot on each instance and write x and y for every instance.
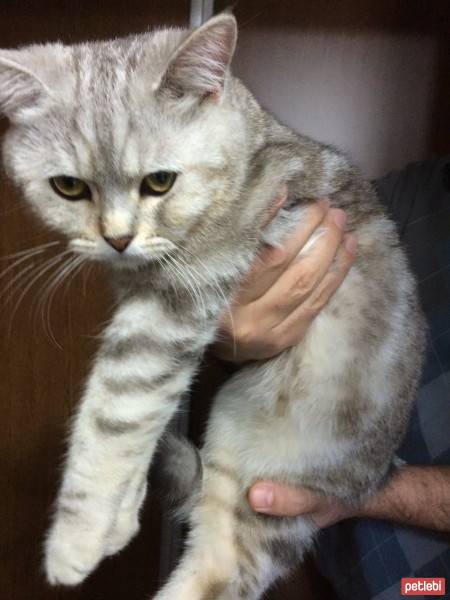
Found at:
(370, 94)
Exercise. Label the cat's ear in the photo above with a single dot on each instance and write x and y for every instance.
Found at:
(23, 92)
(200, 63)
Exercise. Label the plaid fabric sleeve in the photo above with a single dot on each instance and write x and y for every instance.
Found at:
(362, 559)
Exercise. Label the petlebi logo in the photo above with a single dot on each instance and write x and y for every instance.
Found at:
(423, 586)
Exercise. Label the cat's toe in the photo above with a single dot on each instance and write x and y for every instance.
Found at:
(125, 529)
(59, 572)
(69, 560)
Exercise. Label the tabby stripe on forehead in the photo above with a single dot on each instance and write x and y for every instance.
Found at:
(92, 157)
(135, 383)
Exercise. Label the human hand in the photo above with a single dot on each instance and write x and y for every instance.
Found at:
(282, 294)
(283, 501)
(415, 495)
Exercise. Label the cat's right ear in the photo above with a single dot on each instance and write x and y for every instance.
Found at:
(22, 93)
(199, 66)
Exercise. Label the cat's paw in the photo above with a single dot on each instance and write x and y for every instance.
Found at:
(70, 556)
(125, 528)
(126, 523)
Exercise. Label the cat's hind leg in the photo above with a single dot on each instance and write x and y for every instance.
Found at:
(231, 553)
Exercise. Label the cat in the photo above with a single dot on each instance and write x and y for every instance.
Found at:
(154, 160)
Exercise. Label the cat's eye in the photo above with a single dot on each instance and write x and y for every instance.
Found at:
(157, 183)
(70, 188)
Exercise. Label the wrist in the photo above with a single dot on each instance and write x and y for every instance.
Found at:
(416, 495)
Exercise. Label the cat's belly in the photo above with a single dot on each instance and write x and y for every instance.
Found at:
(249, 431)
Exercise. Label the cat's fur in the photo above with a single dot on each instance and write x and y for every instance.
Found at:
(327, 414)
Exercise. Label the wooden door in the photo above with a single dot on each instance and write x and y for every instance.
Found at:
(46, 351)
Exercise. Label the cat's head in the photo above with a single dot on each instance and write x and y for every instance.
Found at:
(127, 147)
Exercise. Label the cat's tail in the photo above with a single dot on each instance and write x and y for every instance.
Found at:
(176, 474)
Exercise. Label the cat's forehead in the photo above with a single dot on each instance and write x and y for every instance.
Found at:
(111, 117)
(109, 122)
(109, 62)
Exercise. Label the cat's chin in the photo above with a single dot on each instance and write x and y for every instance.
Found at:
(129, 262)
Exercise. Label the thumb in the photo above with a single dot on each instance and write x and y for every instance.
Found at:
(281, 500)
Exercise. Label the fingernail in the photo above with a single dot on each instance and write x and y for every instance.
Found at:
(340, 217)
(351, 241)
(262, 498)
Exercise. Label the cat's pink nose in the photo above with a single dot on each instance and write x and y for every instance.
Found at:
(119, 243)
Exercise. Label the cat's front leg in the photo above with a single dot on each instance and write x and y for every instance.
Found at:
(145, 364)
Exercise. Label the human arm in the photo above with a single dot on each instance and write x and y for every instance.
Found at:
(415, 495)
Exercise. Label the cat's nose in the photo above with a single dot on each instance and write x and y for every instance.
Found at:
(119, 243)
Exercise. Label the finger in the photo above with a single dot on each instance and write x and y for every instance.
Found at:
(283, 501)
(293, 328)
(277, 203)
(303, 276)
(272, 261)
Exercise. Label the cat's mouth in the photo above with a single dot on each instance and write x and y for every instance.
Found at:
(135, 254)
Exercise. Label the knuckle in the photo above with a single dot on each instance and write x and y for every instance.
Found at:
(317, 212)
(347, 261)
(312, 310)
(336, 221)
(320, 300)
(281, 341)
(244, 334)
(342, 265)
(273, 257)
(304, 283)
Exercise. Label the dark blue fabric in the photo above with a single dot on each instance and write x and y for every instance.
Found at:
(365, 560)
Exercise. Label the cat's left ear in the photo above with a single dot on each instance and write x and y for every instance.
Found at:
(23, 91)
(200, 63)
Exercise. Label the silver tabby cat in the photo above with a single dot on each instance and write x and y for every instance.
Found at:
(152, 158)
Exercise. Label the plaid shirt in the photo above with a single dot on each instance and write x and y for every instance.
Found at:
(365, 560)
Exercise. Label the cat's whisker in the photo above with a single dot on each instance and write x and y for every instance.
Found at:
(86, 274)
(183, 264)
(195, 271)
(49, 264)
(431, 275)
(63, 273)
(41, 300)
(68, 276)
(166, 269)
(80, 262)
(10, 288)
(34, 250)
(17, 281)
(211, 278)
(23, 256)
(182, 268)
(179, 274)
(8, 291)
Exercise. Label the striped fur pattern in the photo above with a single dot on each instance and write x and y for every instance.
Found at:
(327, 414)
